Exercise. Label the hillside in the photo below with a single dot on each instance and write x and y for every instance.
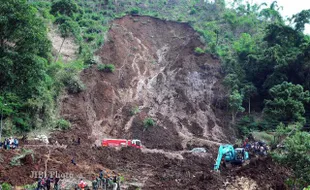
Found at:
(176, 75)
(103, 110)
(157, 73)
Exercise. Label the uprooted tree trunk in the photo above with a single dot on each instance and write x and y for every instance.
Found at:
(233, 115)
(63, 41)
(249, 106)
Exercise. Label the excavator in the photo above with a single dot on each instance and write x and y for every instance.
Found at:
(231, 156)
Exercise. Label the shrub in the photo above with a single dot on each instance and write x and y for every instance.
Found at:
(106, 67)
(62, 19)
(246, 125)
(86, 23)
(90, 61)
(148, 122)
(64, 7)
(74, 84)
(63, 124)
(6, 186)
(134, 11)
(199, 51)
(134, 110)
(89, 37)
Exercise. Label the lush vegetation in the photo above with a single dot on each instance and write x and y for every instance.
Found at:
(27, 87)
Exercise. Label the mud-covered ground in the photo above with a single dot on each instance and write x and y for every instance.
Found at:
(158, 76)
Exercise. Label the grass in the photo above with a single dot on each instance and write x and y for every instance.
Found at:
(268, 138)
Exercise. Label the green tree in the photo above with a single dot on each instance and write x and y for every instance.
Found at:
(64, 7)
(244, 46)
(297, 157)
(272, 13)
(24, 54)
(67, 28)
(235, 104)
(249, 90)
(287, 103)
(301, 19)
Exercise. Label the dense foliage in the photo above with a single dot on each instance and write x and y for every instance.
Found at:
(26, 85)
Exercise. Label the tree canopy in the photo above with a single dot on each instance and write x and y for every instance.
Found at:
(24, 54)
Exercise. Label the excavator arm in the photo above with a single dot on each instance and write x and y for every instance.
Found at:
(224, 150)
(219, 158)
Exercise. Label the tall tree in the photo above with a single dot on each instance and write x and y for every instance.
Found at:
(64, 7)
(301, 19)
(287, 103)
(248, 91)
(235, 104)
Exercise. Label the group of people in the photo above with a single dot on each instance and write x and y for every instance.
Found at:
(45, 183)
(257, 147)
(103, 181)
(9, 143)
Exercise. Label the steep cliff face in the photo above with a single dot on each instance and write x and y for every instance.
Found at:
(159, 74)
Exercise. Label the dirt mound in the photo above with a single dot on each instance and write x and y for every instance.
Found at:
(157, 76)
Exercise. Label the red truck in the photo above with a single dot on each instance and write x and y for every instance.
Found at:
(121, 143)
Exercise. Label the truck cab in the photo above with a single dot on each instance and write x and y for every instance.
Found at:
(136, 143)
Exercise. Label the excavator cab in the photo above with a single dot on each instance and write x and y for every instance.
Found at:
(231, 156)
(241, 154)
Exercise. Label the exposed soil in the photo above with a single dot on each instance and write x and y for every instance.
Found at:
(69, 49)
(157, 72)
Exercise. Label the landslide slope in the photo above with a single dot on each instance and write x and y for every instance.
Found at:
(156, 70)
(159, 74)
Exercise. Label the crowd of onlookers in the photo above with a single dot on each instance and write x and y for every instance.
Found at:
(9, 143)
(257, 147)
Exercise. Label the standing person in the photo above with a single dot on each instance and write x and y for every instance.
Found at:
(101, 174)
(5, 144)
(118, 182)
(95, 184)
(107, 182)
(16, 142)
(56, 183)
(11, 142)
(79, 141)
(82, 184)
(73, 162)
(39, 184)
(48, 183)
(104, 185)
